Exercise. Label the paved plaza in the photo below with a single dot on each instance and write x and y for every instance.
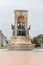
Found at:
(21, 57)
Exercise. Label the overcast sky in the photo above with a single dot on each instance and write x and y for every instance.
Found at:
(35, 15)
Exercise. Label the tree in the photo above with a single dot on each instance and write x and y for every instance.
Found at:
(38, 40)
(35, 41)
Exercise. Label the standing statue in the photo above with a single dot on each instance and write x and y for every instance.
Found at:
(21, 29)
(13, 29)
(28, 30)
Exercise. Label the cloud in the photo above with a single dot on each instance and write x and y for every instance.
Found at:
(35, 15)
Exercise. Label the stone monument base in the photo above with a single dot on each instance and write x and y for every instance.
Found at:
(21, 42)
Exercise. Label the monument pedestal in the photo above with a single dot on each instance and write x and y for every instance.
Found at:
(21, 42)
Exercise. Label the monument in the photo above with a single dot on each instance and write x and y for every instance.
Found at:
(20, 38)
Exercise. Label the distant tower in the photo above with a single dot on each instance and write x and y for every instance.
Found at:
(20, 38)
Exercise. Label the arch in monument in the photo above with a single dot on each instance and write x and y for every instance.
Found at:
(21, 26)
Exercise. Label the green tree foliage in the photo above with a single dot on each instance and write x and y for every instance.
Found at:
(38, 40)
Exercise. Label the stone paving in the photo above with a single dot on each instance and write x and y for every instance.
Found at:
(32, 57)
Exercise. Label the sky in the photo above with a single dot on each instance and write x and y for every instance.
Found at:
(35, 15)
